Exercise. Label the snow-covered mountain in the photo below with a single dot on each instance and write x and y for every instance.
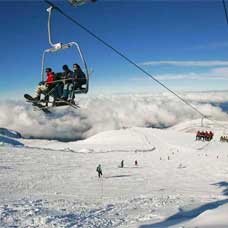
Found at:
(178, 182)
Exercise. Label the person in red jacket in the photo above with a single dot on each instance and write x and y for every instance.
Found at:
(207, 136)
(45, 86)
(198, 135)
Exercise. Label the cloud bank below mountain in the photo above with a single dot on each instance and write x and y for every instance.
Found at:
(103, 113)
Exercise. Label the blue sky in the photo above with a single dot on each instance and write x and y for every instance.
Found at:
(182, 43)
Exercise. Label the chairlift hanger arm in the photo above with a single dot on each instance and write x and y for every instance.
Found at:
(49, 10)
(42, 65)
(52, 6)
(62, 47)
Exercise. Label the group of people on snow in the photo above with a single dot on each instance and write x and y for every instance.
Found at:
(224, 139)
(204, 135)
(61, 85)
(122, 164)
(99, 169)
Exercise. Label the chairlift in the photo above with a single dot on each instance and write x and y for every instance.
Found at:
(55, 47)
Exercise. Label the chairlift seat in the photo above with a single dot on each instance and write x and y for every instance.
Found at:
(81, 89)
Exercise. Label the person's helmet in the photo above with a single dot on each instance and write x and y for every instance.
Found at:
(65, 67)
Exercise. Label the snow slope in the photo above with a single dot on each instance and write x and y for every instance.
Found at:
(178, 182)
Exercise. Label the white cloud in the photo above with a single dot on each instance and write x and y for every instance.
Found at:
(107, 113)
(214, 45)
(220, 73)
(214, 63)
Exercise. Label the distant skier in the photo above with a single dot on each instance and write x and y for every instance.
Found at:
(99, 170)
(211, 134)
(207, 136)
(136, 163)
(122, 164)
(198, 135)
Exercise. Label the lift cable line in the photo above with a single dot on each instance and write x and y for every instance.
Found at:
(225, 9)
(124, 57)
(226, 14)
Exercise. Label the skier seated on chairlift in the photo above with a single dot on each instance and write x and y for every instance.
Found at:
(67, 77)
(45, 86)
(79, 77)
(79, 80)
(72, 81)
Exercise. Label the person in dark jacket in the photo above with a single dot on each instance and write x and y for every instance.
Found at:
(99, 170)
(122, 164)
(45, 86)
(211, 134)
(202, 136)
(79, 76)
(207, 136)
(67, 77)
(79, 80)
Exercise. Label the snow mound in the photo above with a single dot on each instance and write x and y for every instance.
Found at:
(129, 136)
(124, 140)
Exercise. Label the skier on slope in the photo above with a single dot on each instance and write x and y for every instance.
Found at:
(99, 170)
(122, 164)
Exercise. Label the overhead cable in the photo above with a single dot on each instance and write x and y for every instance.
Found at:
(225, 9)
(124, 57)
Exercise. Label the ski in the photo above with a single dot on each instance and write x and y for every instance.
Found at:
(36, 104)
(76, 106)
(57, 102)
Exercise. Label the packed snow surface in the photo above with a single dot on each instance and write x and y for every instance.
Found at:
(178, 182)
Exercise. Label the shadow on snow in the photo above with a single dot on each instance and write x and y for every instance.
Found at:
(10, 141)
(118, 176)
(223, 184)
(183, 216)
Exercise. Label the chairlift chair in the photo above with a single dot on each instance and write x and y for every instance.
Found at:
(55, 47)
